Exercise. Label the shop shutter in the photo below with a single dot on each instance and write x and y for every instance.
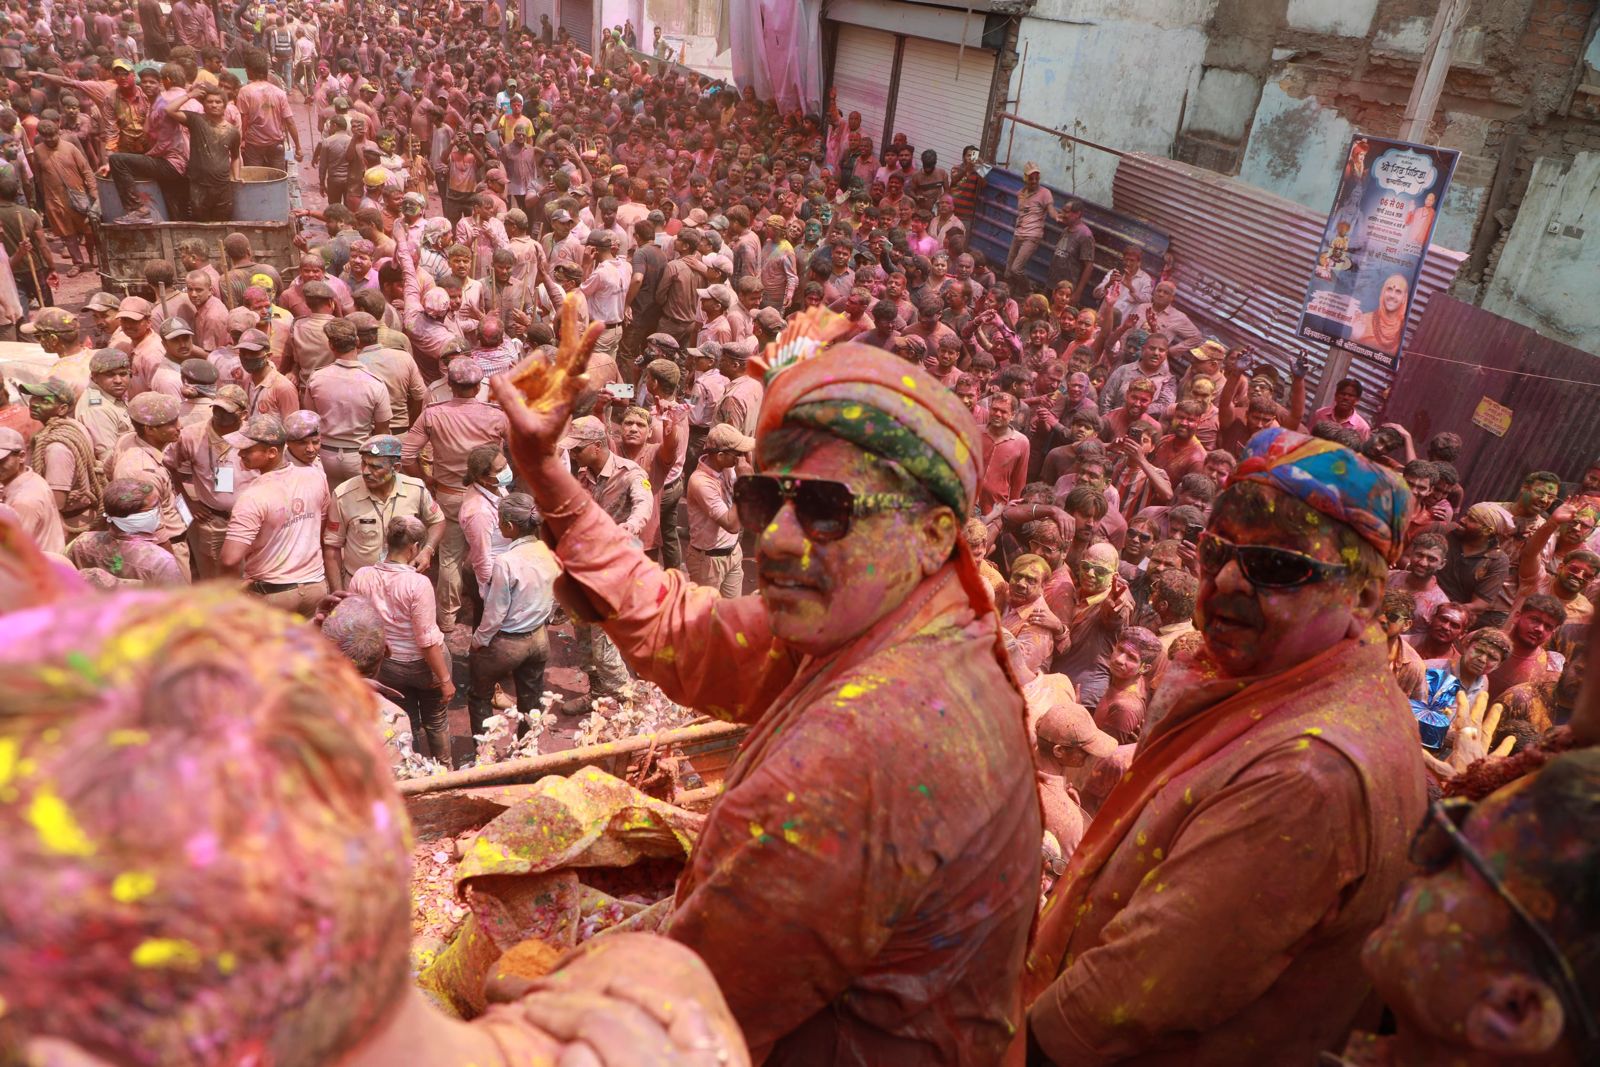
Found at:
(577, 18)
(862, 66)
(943, 101)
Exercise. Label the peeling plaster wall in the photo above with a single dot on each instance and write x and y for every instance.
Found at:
(1117, 72)
(1271, 91)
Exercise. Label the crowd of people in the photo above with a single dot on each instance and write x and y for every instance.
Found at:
(1109, 700)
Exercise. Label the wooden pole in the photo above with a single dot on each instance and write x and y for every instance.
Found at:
(222, 277)
(1429, 86)
(566, 762)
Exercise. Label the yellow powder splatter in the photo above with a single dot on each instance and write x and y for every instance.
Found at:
(908, 381)
(123, 738)
(58, 831)
(8, 759)
(756, 831)
(165, 952)
(129, 887)
(852, 411)
(741, 640)
(227, 962)
(1315, 731)
(851, 691)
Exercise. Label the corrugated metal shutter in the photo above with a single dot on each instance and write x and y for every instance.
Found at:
(1244, 255)
(862, 65)
(577, 18)
(943, 102)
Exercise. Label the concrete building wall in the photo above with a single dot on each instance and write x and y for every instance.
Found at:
(1118, 72)
(1547, 273)
(1271, 91)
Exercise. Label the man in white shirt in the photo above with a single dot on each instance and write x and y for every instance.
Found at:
(606, 289)
(510, 640)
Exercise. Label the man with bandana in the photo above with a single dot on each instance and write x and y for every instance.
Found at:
(1279, 744)
(128, 550)
(855, 909)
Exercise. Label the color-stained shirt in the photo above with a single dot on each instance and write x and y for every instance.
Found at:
(30, 497)
(479, 519)
(622, 491)
(1181, 951)
(403, 599)
(264, 109)
(520, 594)
(709, 498)
(855, 909)
(279, 517)
(358, 523)
(136, 458)
(351, 400)
(454, 428)
(209, 466)
(1005, 468)
(127, 557)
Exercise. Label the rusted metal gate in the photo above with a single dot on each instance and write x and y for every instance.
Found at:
(1461, 354)
(1244, 256)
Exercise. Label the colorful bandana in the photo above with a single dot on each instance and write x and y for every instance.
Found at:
(1334, 481)
(884, 405)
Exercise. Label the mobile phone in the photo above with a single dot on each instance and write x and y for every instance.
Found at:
(1191, 533)
(620, 390)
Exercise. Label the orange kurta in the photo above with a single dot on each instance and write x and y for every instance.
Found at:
(1215, 911)
(864, 888)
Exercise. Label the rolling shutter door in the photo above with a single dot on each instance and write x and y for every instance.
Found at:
(862, 64)
(577, 18)
(943, 102)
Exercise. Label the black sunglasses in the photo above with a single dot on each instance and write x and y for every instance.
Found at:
(824, 508)
(1264, 566)
(1436, 845)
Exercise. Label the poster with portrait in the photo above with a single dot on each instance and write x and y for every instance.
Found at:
(1360, 291)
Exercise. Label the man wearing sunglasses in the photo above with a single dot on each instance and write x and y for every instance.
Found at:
(1216, 908)
(863, 889)
(1489, 955)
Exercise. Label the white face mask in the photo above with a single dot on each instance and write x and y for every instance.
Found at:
(504, 477)
(140, 522)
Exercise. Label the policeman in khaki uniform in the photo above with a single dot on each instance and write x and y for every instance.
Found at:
(363, 507)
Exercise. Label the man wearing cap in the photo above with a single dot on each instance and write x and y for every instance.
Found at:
(1034, 203)
(606, 289)
(274, 537)
(56, 331)
(455, 350)
(1069, 747)
(28, 495)
(308, 351)
(303, 429)
(715, 300)
(102, 309)
(856, 909)
(352, 401)
(741, 400)
(63, 453)
(453, 428)
(1278, 743)
(714, 558)
(141, 342)
(269, 391)
(128, 550)
(197, 388)
(207, 471)
(705, 394)
(395, 368)
(142, 455)
(176, 345)
(101, 407)
(622, 489)
(363, 507)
